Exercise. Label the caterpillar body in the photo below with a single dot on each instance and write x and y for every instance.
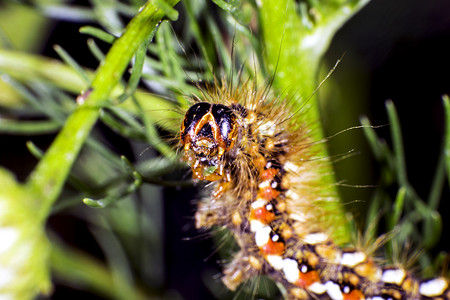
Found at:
(267, 191)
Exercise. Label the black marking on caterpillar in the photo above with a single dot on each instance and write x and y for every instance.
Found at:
(266, 189)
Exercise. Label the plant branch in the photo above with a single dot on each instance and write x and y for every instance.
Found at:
(46, 181)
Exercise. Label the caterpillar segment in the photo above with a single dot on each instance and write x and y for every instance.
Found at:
(265, 191)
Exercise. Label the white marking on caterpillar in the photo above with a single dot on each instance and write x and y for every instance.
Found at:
(275, 261)
(304, 269)
(275, 238)
(290, 270)
(290, 194)
(346, 289)
(395, 276)
(317, 288)
(334, 291)
(315, 238)
(291, 167)
(267, 128)
(433, 288)
(265, 183)
(256, 225)
(262, 236)
(259, 203)
(297, 217)
(351, 259)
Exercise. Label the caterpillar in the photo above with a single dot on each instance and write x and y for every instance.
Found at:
(266, 190)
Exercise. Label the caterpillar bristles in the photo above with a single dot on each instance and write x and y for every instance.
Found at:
(268, 191)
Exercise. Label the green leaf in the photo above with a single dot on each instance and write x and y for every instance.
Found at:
(98, 33)
(446, 102)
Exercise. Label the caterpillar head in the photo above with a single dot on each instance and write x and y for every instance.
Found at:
(207, 132)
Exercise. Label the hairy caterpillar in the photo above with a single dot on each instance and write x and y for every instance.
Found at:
(267, 192)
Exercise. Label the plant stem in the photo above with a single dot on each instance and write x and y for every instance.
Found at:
(294, 45)
(47, 180)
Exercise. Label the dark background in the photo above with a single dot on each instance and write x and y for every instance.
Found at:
(392, 50)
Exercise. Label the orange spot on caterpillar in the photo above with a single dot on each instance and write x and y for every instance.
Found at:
(306, 279)
(269, 193)
(262, 214)
(273, 248)
(268, 174)
(259, 162)
(354, 295)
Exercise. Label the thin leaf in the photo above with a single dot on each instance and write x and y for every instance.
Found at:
(28, 127)
(68, 13)
(446, 102)
(397, 141)
(98, 33)
(398, 208)
(71, 62)
(34, 150)
(95, 50)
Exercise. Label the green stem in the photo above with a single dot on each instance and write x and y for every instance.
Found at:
(296, 37)
(295, 45)
(47, 180)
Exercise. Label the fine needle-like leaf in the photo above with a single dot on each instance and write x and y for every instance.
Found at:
(98, 33)
(446, 102)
